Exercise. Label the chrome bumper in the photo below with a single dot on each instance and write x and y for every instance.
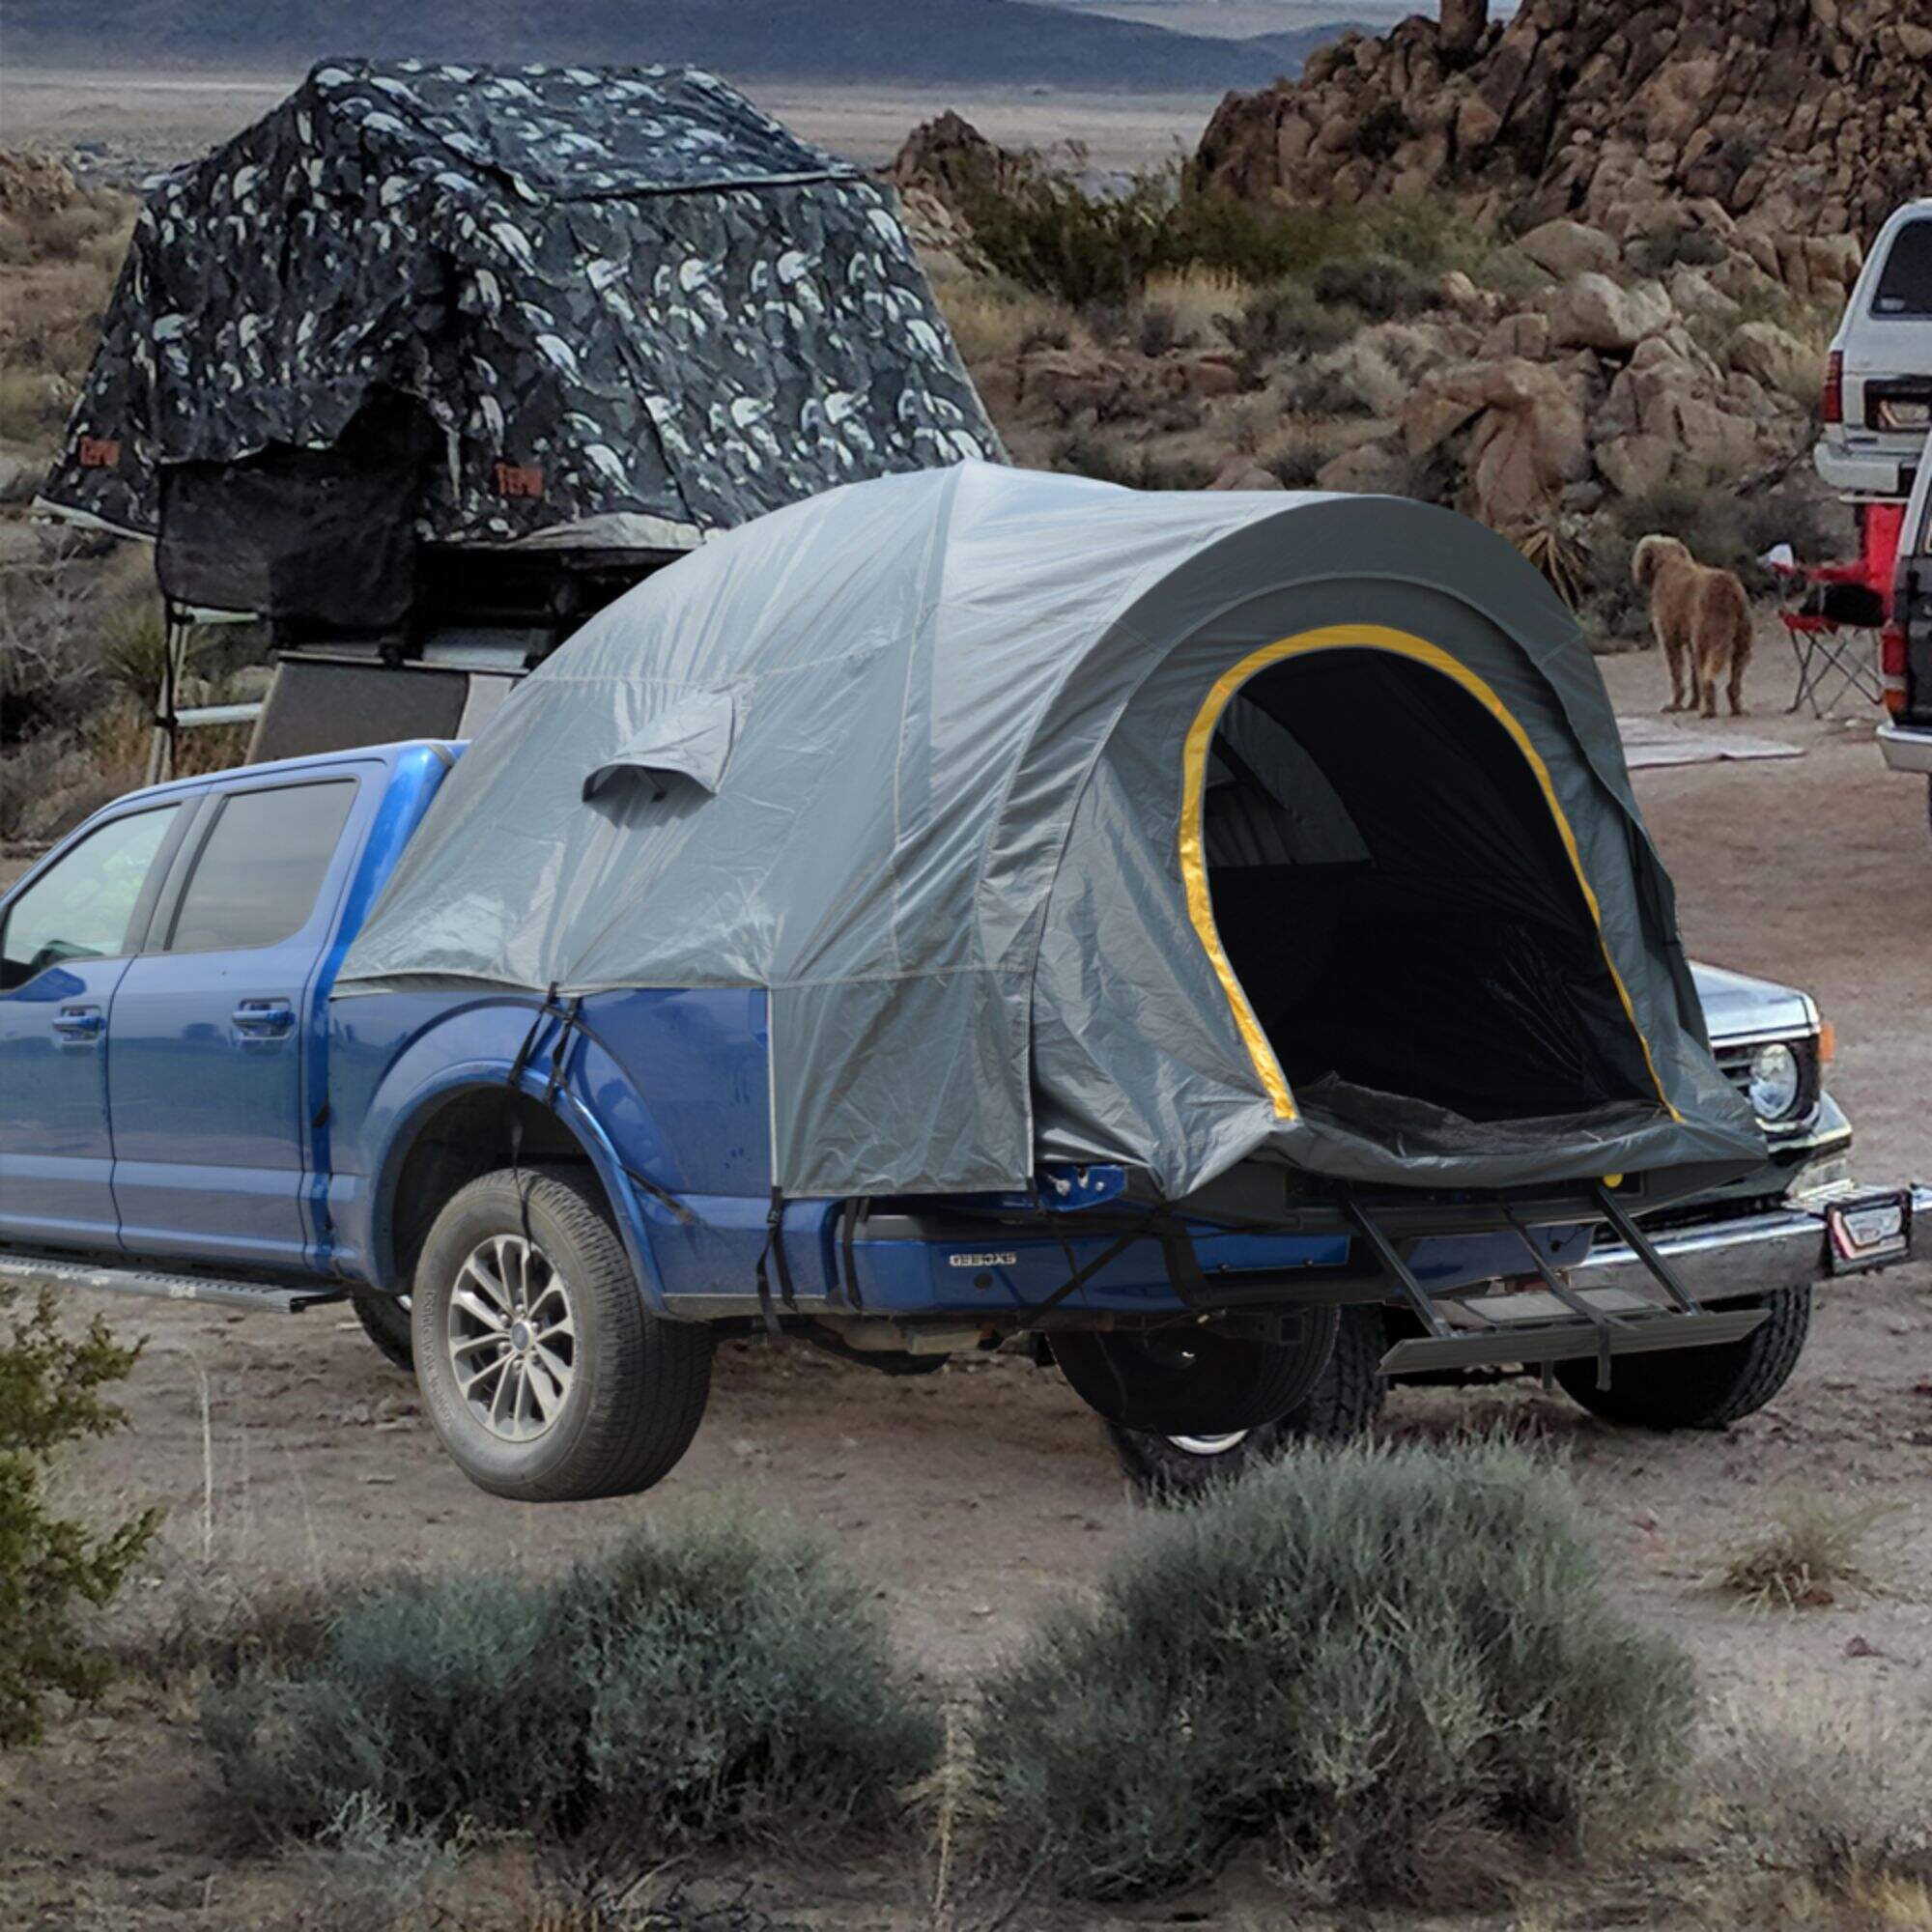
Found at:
(1907, 747)
(1783, 1247)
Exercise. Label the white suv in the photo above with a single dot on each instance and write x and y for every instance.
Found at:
(1878, 385)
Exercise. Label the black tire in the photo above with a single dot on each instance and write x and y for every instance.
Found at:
(637, 1387)
(1700, 1388)
(385, 1321)
(1190, 1380)
(1344, 1403)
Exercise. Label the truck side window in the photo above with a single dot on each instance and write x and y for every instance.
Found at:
(259, 869)
(80, 908)
(1905, 282)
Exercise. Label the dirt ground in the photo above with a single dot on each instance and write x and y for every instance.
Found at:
(283, 1448)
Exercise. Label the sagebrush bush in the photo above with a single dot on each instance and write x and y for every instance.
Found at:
(1392, 1667)
(1836, 1791)
(724, 1682)
(50, 1384)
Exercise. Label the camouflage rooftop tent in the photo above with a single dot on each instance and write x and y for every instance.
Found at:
(1053, 820)
(615, 307)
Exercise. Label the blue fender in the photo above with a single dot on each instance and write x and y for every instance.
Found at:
(405, 1118)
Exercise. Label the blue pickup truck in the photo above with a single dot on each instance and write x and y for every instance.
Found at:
(185, 1111)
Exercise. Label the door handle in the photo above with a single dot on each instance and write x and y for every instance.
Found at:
(259, 1016)
(79, 1023)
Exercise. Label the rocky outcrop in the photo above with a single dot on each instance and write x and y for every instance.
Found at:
(1791, 118)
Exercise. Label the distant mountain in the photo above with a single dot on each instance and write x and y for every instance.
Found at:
(999, 41)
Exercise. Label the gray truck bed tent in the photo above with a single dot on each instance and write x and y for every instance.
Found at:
(1061, 821)
(594, 309)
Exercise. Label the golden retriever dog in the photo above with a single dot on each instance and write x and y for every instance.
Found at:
(1702, 619)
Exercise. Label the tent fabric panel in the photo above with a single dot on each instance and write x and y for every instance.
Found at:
(951, 823)
(691, 738)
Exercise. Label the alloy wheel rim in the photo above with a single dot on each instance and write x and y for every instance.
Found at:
(511, 1338)
(1209, 1445)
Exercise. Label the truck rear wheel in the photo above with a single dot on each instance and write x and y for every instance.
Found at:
(1700, 1388)
(546, 1377)
(1345, 1401)
(1193, 1381)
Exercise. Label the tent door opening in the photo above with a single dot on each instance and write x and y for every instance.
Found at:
(1393, 893)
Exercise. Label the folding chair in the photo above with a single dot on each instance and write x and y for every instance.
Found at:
(1835, 656)
(1844, 606)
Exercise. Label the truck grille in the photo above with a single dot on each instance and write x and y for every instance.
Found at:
(1734, 1064)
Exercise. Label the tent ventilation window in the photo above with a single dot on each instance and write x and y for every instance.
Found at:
(1396, 899)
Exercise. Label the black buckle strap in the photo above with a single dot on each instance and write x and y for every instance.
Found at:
(773, 1251)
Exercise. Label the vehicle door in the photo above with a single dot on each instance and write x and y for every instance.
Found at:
(213, 1071)
(65, 938)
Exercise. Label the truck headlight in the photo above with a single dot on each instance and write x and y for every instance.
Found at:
(1777, 1082)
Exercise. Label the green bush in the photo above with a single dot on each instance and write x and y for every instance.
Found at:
(49, 1565)
(721, 1683)
(1050, 233)
(1379, 286)
(1392, 1668)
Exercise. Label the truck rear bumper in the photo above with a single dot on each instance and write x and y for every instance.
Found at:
(1781, 1247)
(1907, 747)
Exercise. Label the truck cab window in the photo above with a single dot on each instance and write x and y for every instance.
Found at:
(1905, 283)
(259, 869)
(82, 906)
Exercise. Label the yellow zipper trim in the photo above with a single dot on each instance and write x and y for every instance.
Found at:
(1194, 791)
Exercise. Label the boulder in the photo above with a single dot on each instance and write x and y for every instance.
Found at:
(20, 476)
(1776, 359)
(1244, 473)
(1798, 118)
(1526, 434)
(1525, 334)
(1570, 248)
(1463, 23)
(1593, 312)
(1377, 467)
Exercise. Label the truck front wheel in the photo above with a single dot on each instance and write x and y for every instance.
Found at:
(1700, 1388)
(385, 1321)
(1344, 1403)
(1192, 1379)
(546, 1377)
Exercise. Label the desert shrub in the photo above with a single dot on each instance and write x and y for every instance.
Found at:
(994, 321)
(1391, 1668)
(1112, 459)
(1050, 235)
(1807, 1556)
(1295, 462)
(1379, 287)
(1284, 319)
(1833, 1793)
(1318, 389)
(51, 1565)
(724, 1682)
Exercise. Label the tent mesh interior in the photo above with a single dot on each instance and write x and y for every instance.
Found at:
(1395, 897)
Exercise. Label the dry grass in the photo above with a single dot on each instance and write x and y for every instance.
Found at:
(1807, 1557)
(993, 321)
(1827, 1811)
(1196, 307)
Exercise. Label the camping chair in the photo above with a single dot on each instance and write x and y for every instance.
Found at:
(1840, 611)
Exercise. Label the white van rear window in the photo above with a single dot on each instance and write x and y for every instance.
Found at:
(1905, 284)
